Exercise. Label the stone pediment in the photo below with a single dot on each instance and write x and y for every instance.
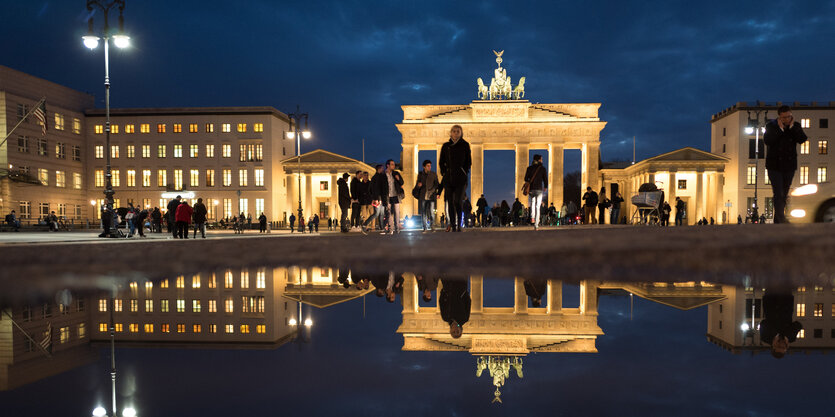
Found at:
(321, 156)
(688, 154)
(322, 296)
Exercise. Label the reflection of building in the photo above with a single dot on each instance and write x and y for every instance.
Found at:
(728, 321)
(321, 169)
(728, 139)
(319, 287)
(52, 338)
(241, 308)
(680, 295)
(695, 176)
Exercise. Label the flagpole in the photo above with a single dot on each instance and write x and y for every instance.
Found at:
(45, 352)
(43, 100)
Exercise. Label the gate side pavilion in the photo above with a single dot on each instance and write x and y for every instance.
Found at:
(517, 125)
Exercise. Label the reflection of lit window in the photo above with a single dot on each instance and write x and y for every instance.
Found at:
(245, 328)
(149, 328)
(196, 328)
(181, 328)
(230, 328)
(260, 329)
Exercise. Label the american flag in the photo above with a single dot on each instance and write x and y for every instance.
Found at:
(40, 114)
(46, 342)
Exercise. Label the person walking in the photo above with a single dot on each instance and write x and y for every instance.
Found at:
(455, 163)
(681, 207)
(378, 189)
(782, 136)
(589, 206)
(262, 223)
(481, 206)
(171, 215)
(356, 215)
(536, 181)
(364, 187)
(292, 220)
(427, 193)
(199, 216)
(139, 221)
(395, 194)
(183, 219)
(615, 214)
(344, 201)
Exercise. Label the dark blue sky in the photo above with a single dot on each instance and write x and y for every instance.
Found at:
(660, 68)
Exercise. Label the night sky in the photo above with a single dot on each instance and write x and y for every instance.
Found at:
(660, 68)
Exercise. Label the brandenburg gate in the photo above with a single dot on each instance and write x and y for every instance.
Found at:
(501, 119)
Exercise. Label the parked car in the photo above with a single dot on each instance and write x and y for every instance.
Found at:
(812, 203)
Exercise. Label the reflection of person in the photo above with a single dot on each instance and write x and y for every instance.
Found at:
(777, 328)
(535, 288)
(455, 305)
(781, 138)
(426, 285)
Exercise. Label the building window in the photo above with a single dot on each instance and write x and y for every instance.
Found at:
(63, 335)
(114, 129)
(261, 279)
(130, 129)
(115, 178)
(258, 127)
(259, 205)
(260, 329)
(259, 177)
(163, 306)
(210, 151)
(193, 151)
(102, 327)
(244, 328)
(99, 151)
(146, 151)
(753, 150)
(243, 205)
(131, 178)
(212, 306)
(178, 179)
(823, 123)
(804, 148)
(162, 178)
(149, 306)
(160, 151)
(241, 127)
(99, 129)
(194, 178)
(195, 306)
(195, 281)
(242, 177)
(823, 147)
(160, 127)
(117, 305)
(192, 128)
(181, 328)
(131, 151)
(226, 127)
(134, 306)
(178, 151)
(323, 186)
(196, 328)
(25, 209)
(818, 312)
(253, 304)
(228, 279)
(145, 128)
(76, 181)
(43, 176)
(213, 328)
(76, 153)
(804, 174)
(800, 310)
(822, 175)
(230, 328)
(244, 279)
(102, 305)
(82, 330)
(42, 145)
(146, 178)
(43, 209)
(99, 180)
(230, 307)
(210, 127)
(227, 177)
(178, 128)
(181, 306)
(804, 123)
(60, 179)
(227, 208)
(60, 150)
(226, 150)
(114, 151)
(76, 126)
(23, 144)
(210, 178)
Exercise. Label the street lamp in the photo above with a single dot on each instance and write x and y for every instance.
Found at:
(298, 134)
(91, 41)
(754, 126)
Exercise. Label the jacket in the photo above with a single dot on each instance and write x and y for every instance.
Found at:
(777, 312)
(429, 185)
(171, 209)
(781, 146)
(398, 182)
(364, 188)
(455, 301)
(355, 189)
(344, 192)
(538, 177)
(590, 197)
(379, 188)
(200, 213)
(455, 163)
(184, 212)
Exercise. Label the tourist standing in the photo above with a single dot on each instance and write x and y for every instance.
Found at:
(356, 216)
(344, 196)
(455, 163)
(262, 223)
(615, 214)
(782, 136)
(427, 185)
(183, 219)
(139, 221)
(536, 179)
(156, 220)
(366, 210)
(316, 223)
(292, 221)
(171, 215)
(665, 214)
(378, 190)
(681, 207)
(589, 206)
(395, 195)
(199, 215)
(481, 206)
(602, 205)
(128, 220)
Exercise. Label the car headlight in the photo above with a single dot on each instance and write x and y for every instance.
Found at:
(805, 190)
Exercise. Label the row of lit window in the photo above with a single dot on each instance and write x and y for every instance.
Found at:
(248, 152)
(249, 304)
(800, 310)
(196, 281)
(823, 147)
(194, 178)
(60, 177)
(181, 328)
(43, 148)
(59, 123)
(803, 177)
(178, 128)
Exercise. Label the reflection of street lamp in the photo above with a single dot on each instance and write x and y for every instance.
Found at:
(308, 323)
(755, 127)
(100, 411)
(120, 40)
(298, 134)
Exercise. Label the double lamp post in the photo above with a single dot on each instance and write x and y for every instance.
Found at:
(756, 127)
(297, 133)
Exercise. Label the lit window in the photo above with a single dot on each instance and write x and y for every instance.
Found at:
(149, 328)
(801, 289)
(146, 151)
(102, 327)
(241, 127)
(119, 327)
(196, 328)
(60, 179)
(99, 178)
(149, 306)
(76, 126)
(804, 123)
(195, 177)
(229, 305)
(99, 129)
(114, 129)
(63, 334)
(244, 328)
(163, 306)
(43, 176)
(804, 174)
(260, 329)
(195, 281)
(258, 127)
(193, 151)
(210, 178)
(228, 279)
(804, 148)
(131, 177)
(818, 312)
(210, 127)
(76, 153)
(102, 305)
(114, 151)
(82, 330)
(212, 281)
(160, 127)
(821, 175)
(181, 328)
(60, 150)
(226, 150)
(801, 310)
(162, 178)
(243, 205)
(99, 151)
(164, 328)
(149, 288)
(195, 306)
(145, 128)
(178, 128)
(178, 151)
(259, 205)
(212, 306)
(160, 151)
(146, 178)
(59, 121)
(242, 177)
(230, 328)
(227, 177)
(131, 149)
(261, 279)
(130, 129)
(134, 306)
(226, 127)
(76, 181)
(192, 128)
(823, 147)
(133, 327)
(178, 179)
(801, 334)
(210, 151)
(181, 306)
(244, 279)
(213, 328)
(181, 281)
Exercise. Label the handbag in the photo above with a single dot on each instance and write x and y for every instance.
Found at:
(526, 187)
